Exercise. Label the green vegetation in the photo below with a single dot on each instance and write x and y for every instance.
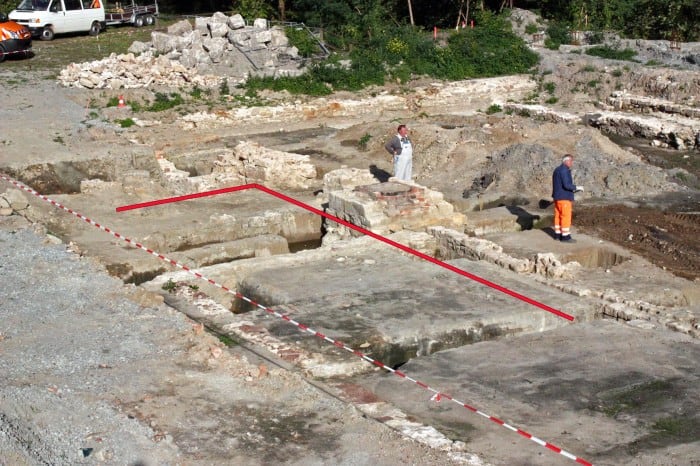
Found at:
(196, 93)
(405, 52)
(493, 108)
(126, 123)
(557, 34)
(228, 341)
(364, 140)
(169, 286)
(611, 53)
(165, 102)
(301, 38)
(550, 87)
(531, 28)
(224, 89)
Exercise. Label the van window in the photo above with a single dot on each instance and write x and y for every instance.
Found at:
(56, 6)
(73, 5)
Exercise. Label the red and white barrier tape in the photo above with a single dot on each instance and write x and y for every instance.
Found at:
(437, 395)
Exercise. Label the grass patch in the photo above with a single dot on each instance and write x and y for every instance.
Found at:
(52, 56)
(228, 341)
(126, 123)
(165, 102)
(611, 53)
(493, 108)
(169, 286)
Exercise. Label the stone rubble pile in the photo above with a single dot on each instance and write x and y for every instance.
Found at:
(218, 45)
(129, 71)
(247, 162)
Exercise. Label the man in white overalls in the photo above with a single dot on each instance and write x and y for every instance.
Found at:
(401, 149)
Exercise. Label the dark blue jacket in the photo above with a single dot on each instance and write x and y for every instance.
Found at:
(563, 186)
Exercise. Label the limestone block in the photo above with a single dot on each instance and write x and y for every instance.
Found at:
(262, 37)
(216, 48)
(15, 199)
(236, 22)
(179, 28)
(201, 25)
(162, 43)
(218, 17)
(218, 29)
(240, 38)
(346, 178)
(260, 23)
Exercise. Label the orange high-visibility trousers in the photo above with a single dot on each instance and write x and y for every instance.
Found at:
(562, 217)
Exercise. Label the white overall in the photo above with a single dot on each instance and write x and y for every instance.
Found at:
(403, 163)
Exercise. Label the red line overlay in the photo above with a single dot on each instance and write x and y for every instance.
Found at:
(364, 231)
(437, 395)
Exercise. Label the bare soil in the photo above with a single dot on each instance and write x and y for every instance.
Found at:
(666, 238)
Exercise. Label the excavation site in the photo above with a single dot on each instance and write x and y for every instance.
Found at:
(230, 283)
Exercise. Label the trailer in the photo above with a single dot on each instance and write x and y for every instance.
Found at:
(131, 13)
(46, 18)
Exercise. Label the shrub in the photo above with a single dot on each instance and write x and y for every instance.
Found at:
(364, 140)
(403, 52)
(558, 33)
(595, 37)
(494, 108)
(165, 102)
(302, 39)
(531, 28)
(550, 87)
(126, 123)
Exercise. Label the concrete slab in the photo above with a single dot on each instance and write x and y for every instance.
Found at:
(176, 228)
(609, 392)
(388, 304)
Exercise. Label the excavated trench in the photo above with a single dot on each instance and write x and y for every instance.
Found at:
(66, 177)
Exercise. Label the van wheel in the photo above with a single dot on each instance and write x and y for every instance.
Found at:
(3, 53)
(95, 28)
(138, 22)
(150, 20)
(47, 33)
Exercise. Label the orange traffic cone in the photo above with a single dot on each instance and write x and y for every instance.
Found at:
(121, 103)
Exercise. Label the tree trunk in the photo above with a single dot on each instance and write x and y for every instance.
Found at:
(281, 8)
(410, 12)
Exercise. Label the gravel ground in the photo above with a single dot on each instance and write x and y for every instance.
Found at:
(95, 372)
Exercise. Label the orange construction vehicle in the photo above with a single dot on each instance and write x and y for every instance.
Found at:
(14, 39)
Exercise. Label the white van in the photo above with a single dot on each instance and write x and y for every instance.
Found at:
(45, 18)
